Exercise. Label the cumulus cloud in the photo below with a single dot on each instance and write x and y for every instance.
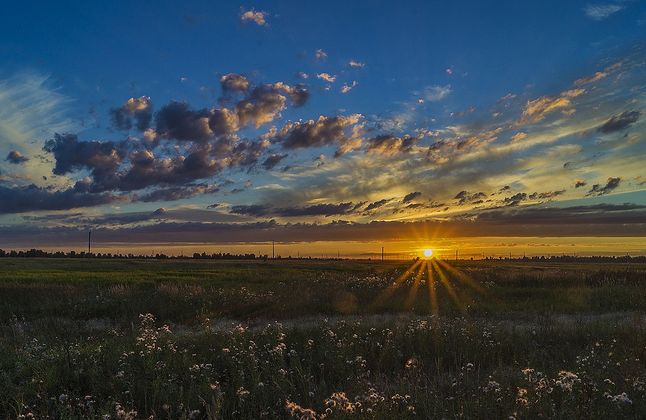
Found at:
(580, 183)
(266, 102)
(356, 64)
(619, 122)
(611, 184)
(135, 112)
(601, 11)
(255, 16)
(16, 157)
(339, 130)
(233, 83)
(546, 195)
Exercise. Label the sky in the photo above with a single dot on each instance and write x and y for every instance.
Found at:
(328, 127)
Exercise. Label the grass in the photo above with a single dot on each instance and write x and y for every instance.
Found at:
(320, 339)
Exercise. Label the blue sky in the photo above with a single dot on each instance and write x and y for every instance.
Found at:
(482, 109)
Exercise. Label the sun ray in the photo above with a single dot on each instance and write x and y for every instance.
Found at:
(432, 294)
(464, 278)
(390, 290)
(446, 282)
(412, 294)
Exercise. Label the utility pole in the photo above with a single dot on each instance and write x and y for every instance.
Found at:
(273, 250)
(456, 254)
(89, 242)
(382, 254)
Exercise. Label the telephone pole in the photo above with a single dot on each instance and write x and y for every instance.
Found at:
(89, 242)
(382, 254)
(273, 250)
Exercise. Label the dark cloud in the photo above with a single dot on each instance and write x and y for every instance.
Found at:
(545, 195)
(580, 183)
(259, 210)
(582, 221)
(136, 111)
(619, 122)
(179, 122)
(34, 198)
(16, 157)
(515, 199)
(611, 184)
(411, 196)
(377, 204)
(465, 197)
(101, 158)
(273, 160)
(322, 132)
(177, 193)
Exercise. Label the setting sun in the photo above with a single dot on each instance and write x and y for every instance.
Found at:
(428, 253)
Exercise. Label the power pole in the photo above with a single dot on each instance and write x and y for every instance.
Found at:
(456, 254)
(273, 250)
(382, 254)
(89, 242)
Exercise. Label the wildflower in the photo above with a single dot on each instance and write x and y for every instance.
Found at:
(566, 380)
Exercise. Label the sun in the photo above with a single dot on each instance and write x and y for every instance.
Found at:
(428, 252)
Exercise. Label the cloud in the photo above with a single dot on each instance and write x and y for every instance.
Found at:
(619, 122)
(521, 221)
(377, 204)
(266, 102)
(580, 183)
(34, 198)
(538, 109)
(327, 77)
(601, 11)
(465, 197)
(31, 108)
(320, 54)
(255, 16)
(273, 160)
(348, 87)
(515, 199)
(16, 157)
(325, 209)
(389, 145)
(356, 64)
(233, 83)
(178, 121)
(136, 111)
(411, 196)
(436, 93)
(546, 195)
(125, 166)
(339, 130)
(177, 193)
(611, 184)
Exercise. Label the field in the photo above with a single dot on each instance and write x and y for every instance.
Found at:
(130, 339)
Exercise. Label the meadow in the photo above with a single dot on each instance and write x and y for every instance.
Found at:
(127, 339)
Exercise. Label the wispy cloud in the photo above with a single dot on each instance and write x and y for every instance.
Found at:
(601, 11)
